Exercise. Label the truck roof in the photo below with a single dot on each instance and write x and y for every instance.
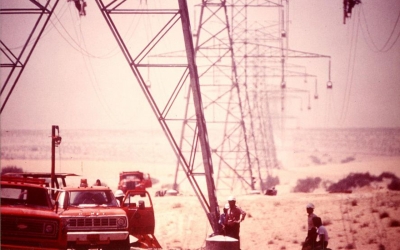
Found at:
(15, 180)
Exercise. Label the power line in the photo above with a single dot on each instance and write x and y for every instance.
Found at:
(350, 70)
(385, 47)
(76, 46)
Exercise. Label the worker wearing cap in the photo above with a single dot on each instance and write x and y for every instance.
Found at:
(310, 211)
(222, 219)
(234, 216)
(311, 230)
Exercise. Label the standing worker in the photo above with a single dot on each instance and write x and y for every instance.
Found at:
(322, 233)
(311, 230)
(119, 195)
(222, 219)
(234, 216)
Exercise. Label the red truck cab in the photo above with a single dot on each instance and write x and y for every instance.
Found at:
(94, 218)
(131, 180)
(28, 218)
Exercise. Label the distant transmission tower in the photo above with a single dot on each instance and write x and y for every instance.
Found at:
(170, 84)
(242, 56)
(223, 99)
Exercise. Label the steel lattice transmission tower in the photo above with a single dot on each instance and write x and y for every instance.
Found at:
(17, 48)
(242, 55)
(168, 82)
(260, 34)
(221, 91)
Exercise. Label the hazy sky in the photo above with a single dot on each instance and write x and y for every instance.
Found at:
(77, 77)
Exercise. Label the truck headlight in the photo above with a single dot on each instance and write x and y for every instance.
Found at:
(49, 228)
(121, 222)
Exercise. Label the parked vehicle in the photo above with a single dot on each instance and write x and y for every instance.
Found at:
(131, 180)
(93, 217)
(28, 218)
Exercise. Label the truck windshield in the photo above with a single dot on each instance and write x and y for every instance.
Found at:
(27, 196)
(90, 197)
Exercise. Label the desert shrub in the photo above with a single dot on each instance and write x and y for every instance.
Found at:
(307, 185)
(394, 223)
(383, 215)
(351, 181)
(316, 160)
(270, 182)
(381, 247)
(354, 180)
(394, 185)
(11, 169)
(349, 246)
(348, 159)
(387, 175)
(354, 203)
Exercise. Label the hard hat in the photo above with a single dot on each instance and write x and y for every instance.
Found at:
(231, 198)
(119, 193)
(226, 206)
(310, 205)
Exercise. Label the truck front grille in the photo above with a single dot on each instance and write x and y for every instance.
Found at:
(17, 226)
(95, 223)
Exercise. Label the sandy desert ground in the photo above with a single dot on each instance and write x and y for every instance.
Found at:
(367, 218)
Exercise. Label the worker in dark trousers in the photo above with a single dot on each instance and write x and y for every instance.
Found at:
(234, 216)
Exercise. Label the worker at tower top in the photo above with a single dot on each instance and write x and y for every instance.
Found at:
(80, 6)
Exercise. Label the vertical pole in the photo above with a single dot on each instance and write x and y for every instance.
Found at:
(55, 141)
(53, 149)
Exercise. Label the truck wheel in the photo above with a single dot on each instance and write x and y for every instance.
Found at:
(119, 245)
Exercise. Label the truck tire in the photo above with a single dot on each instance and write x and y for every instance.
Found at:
(119, 245)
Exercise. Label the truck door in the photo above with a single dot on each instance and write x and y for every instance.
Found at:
(139, 209)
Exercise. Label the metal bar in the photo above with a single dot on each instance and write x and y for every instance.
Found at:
(42, 13)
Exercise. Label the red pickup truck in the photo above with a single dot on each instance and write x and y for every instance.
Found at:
(94, 218)
(28, 217)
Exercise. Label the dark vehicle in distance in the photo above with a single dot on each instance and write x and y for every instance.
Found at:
(130, 180)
